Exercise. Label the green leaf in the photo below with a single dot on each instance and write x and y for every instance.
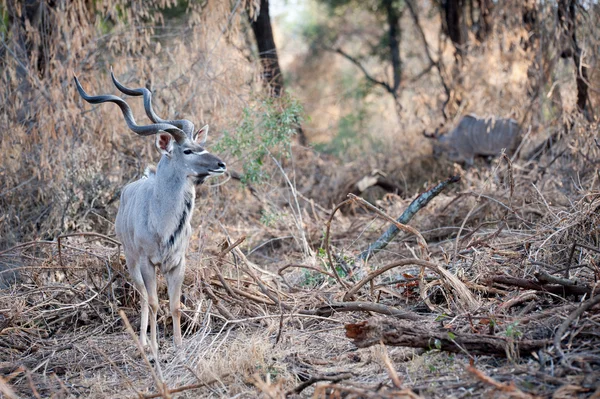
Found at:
(266, 128)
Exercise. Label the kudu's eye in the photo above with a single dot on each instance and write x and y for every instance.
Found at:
(188, 152)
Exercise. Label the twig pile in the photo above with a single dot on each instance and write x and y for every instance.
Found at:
(70, 291)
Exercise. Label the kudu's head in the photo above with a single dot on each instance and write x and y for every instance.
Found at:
(189, 156)
(441, 146)
(177, 140)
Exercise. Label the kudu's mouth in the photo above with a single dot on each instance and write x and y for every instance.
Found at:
(209, 173)
(216, 172)
(219, 171)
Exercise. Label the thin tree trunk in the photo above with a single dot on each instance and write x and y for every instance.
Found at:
(29, 16)
(267, 52)
(454, 11)
(486, 23)
(394, 33)
(567, 19)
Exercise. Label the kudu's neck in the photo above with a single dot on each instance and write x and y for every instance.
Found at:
(172, 188)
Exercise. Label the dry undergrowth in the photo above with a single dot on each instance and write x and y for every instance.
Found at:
(249, 330)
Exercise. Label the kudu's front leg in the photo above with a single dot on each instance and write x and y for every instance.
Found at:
(138, 282)
(149, 274)
(174, 281)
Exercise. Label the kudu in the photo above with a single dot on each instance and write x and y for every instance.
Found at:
(476, 136)
(153, 221)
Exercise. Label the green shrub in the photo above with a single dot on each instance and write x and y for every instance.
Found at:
(266, 128)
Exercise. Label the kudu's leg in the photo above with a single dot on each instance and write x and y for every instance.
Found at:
(149, 275)
(174, 281)
(138, 282)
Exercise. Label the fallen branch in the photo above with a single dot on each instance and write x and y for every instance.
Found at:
(546, 278)
(464, 296)
(524, 297)
(420, 202)
(337, 391)
(181, 389)
(330, 309)
(428, 336)
(535, 285)
(226, 248)
(332, 377)
(510, 388)
(565, 324)
(211, 295)
(407, 229)
(261, 285)
(253, 297)
(385, 358)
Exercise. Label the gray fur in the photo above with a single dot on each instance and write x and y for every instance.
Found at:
(477, 136)
(153, 221)
(153, 224)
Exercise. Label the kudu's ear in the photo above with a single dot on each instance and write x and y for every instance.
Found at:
(164, 143)
(201, 136)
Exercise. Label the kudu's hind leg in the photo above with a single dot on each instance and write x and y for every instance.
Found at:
(148, 272)
(174, 281)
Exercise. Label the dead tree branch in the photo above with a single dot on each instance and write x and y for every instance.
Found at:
(418, 335)
(420, 202)
(332, 377)
(362, 68)
(331, 308)
(432, 62)
(463, 295)
(574, 315)
(538, 286)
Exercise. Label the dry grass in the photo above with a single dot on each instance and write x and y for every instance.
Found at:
(250, 331)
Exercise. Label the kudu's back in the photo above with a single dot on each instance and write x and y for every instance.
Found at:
(476, 136)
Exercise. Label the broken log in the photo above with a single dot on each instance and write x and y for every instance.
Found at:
(430, 336)
(420, 202)
(557, 289)
(358, 306)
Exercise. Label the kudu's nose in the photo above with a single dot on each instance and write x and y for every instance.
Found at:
(222, 165)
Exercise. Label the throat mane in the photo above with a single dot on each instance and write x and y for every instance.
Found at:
(183, 218)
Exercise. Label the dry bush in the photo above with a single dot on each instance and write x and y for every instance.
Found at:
(64, 165)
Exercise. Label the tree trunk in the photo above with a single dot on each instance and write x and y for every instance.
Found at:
(267, 52)
(394, 33)
(486, 23)
(567, 20)
(456, 24)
